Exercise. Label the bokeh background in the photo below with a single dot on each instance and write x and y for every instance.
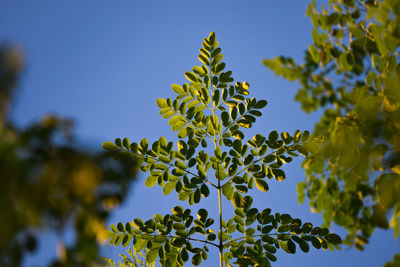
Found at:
(104, 63)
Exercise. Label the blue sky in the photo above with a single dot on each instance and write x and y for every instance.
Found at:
(104, 63)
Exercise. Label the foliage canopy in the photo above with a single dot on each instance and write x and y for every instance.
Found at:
(209, 114)
(352, 72)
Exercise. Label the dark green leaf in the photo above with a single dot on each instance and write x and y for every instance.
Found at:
(236, 200)
(333, 238)
(196, 259)
(260, 104)
(191, 76)
(262, 185)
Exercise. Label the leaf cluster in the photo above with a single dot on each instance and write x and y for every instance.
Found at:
(351, 71)
(210, 114)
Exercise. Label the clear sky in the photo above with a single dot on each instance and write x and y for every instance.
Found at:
(104, 63)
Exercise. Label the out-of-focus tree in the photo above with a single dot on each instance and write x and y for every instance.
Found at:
(49, 182)
(351, 71)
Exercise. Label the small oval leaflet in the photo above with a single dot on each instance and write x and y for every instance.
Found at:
(162, 103)
(191, 76)
(110, 146)
(262, 185)
(151, 181)
(177, 89)
(260, 104)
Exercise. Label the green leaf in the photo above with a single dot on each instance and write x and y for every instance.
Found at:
(260, 104)
(343, 59)
(220, 173)
(283, 228)
(220, 67)
(182, 233)
(249, 240)
(307, 227)
(178, 242)
(227, 191)
(370, 77)
(202, 214)
(183, 195)
(246, 202)
(217, 59)
(138, 223)
(197, 196)
(191, 76)
(113, 239)
(182, 133)
(315, 53)
(168, 114)
(278, 174)
(333, 238)
(288, 246)
(315, 242)
(178, 124)
(300, 192)
(216, 97)
(184, 255)
(140, 244)
(216, 52)
(126, 241)
(241, 188)
(273, 136)
(177, 89)
(205, 191)
(199, 71)
(270, 256)
(236, 200)
(199, 108)
(164, 159)
(169, 187)
(162, 103)
(121, 227)
(262, 185)
(110, 146)
(143, 145)
(203, 59)
(196, 259)
(119, 240)
(211, 37)
(114, 228)
(269, 248)
(268, 239)
(151, 255)
(126, 143)
(180, 165)
(193, 104)
(222, 236)
(304, 245)
(151, 181)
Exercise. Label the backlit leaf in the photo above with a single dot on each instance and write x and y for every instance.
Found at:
(162, 103)
(151, 181)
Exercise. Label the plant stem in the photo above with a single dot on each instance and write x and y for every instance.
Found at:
(220, 224)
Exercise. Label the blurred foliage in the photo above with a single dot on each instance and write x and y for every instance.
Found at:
(394, 263)
(351, 72)
(48, 182)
